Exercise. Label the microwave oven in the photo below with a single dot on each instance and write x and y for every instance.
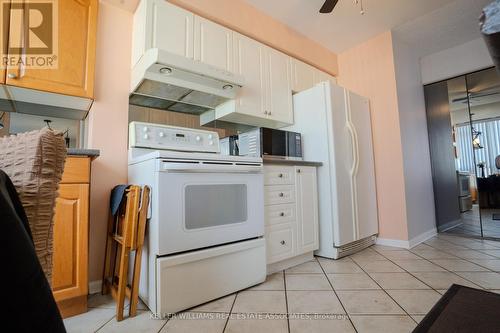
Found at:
(271, 143)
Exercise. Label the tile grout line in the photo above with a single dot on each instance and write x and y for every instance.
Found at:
(230, 312)
(102, 326)
(385, 291)
(286, 302)
(429, 261)
(437, 249)
(336, 295)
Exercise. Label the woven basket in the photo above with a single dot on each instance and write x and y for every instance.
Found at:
(35, 161)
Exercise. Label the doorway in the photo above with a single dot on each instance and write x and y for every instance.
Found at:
(463, 116)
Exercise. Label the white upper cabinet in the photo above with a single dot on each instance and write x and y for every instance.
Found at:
(249, 62)
(305, 76)
(159, 24)
(279, 90)
(213, 44)
(320, 76)
(302, 76)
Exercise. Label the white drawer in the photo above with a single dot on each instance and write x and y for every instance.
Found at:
(280, 242)
(279, 175)
(278, 214)
(274, 195)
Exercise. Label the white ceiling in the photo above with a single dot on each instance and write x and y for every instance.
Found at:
(419, 21)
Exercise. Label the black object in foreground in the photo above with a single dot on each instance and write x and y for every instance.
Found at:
(463, 309)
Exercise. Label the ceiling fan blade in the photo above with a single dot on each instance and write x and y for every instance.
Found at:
(328, 6)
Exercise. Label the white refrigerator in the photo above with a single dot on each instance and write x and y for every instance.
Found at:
(336, 130)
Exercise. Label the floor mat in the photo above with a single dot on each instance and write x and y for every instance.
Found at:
(463, 309)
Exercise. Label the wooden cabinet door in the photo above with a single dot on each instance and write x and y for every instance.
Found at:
(279, 92)
(69, 275)
(213, 44)
(76, 39)
(303, 76)
(307, 209)
(248, 60)
(171, 28)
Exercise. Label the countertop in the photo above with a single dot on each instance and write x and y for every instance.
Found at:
(291, 162)
(84, 152)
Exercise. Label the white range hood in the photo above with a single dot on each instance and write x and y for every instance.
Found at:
(167, 81)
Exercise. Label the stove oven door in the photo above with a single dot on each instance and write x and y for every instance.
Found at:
(206, 204)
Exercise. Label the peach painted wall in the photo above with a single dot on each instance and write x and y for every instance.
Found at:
(368, 69)
(240, 16)
(108, 123)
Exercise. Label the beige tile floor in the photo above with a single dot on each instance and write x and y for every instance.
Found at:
(380, 289)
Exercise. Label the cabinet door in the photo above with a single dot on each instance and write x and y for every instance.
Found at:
(248, 60)
(279, 92)
(69, 275)
(171, 29)
(213, 44)
(307, 209)
(280, 241)
(76, 39)
(320, 76)
(303, 76)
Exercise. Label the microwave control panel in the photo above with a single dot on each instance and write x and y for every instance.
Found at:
(164, 137)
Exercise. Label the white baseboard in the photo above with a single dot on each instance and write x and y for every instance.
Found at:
(450, 225)
(407, 244)
(95, 287)
(393, 242)
(422, 237)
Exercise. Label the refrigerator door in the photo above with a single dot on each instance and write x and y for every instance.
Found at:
(365, 197)
(353, 169)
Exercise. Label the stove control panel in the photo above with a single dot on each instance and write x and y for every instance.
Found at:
(156, 136)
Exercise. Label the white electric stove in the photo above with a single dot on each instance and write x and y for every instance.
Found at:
(205, 234)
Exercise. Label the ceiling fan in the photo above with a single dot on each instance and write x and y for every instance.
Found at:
(329, 6)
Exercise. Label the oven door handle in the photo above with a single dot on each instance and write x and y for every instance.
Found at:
(209, 168)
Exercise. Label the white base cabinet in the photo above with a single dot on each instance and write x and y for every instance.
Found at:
(291, 212)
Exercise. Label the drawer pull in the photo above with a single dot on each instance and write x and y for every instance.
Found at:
(281, 194)
(298, 170)
(282, 242)
(280, 175)
(282, 214)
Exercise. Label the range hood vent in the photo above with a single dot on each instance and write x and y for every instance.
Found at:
(166, 81)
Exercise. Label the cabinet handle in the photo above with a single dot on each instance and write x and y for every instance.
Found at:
(298, 170)
(280, 175)
(265, 112)
(282, 214)
(12, 76)
(269, 113)
(282, 242)
(282, 194)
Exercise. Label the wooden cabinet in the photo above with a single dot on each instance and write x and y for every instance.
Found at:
(291, 214)
(76, 42)
(306, 190)
(71, 223)
(213, 44)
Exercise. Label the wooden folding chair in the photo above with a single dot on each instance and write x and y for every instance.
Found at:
(126, 234)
